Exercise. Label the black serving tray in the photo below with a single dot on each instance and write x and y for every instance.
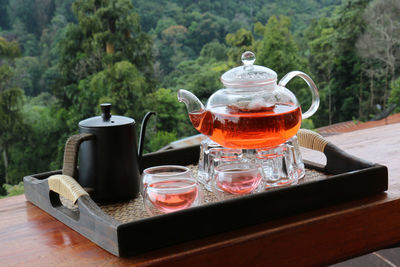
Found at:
(349, 178)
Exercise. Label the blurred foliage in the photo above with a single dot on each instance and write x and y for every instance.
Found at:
(12, 127)
(13, 190)
(394, 97)
(279, 51)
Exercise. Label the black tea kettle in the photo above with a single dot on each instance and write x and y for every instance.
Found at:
(109, 157)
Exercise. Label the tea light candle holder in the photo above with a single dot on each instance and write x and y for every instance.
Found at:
(205, 162)
(282, 165)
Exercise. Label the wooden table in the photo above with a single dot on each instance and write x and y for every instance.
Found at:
(31, 237)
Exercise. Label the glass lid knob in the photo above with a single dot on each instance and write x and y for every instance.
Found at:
(248, 59)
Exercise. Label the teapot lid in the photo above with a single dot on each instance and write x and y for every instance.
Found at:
(248, 74)
(106, 119)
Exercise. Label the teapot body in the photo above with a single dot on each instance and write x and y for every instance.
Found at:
(257, 117)
(109, 157)
(109, 163)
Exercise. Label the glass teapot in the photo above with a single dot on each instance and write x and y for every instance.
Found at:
(252, 110)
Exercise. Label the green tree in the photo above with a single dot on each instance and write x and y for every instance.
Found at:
(171, 121)
(379, 45)
(205, 28)
(170, 113)
(49, 39)
(214, 50)
(278, 51)
(347, 77)
(173, 38)
(28, 71)
(241, 41)
(37, 148)
(121, 84)
(34, 14)
(321, 36)
(159, 140)
(200, 76)
(64, 9)
(108, 32)
(336, 65)
(4, 19)
(43, 12)
(21, 11)
(29, 43)
(11, 99)
(394, 97)
(14, 190)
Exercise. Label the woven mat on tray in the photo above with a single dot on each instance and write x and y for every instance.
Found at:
(134, 209)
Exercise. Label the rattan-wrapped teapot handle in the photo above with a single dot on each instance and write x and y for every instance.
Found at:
(66, 186)
(312, 140)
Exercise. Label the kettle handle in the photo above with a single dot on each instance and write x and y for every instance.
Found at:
(313, 88)
(71, 153)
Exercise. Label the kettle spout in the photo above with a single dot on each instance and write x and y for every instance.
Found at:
(142, 134)
(193, 104)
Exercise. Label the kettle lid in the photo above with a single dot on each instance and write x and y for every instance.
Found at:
(106, 119)
(248, 74)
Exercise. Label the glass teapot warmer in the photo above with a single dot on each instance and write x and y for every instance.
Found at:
(279, 166)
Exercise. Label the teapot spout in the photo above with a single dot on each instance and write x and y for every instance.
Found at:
(193, 104)
(199, 116)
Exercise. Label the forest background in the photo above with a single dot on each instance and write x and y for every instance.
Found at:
(59, 59)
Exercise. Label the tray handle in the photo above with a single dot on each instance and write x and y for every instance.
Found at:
(66, 186)
(337, 160)
(312, 140)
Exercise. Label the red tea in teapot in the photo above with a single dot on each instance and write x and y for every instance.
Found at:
(235, 127)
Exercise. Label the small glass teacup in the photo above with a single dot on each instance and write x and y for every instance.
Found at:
(169, 188)
(238, 178)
